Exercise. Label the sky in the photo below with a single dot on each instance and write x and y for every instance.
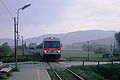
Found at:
(59, 16)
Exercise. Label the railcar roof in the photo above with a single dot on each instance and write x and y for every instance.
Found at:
(51, 39)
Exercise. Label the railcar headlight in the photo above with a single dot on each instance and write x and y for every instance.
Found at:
(45, 51)
(58, 51)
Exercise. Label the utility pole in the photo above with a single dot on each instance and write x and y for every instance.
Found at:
(22, 46)
(111, 47)
(114, 46)
(15, 42)
(88, 49)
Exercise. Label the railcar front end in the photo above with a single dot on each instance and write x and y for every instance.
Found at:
(51, 49)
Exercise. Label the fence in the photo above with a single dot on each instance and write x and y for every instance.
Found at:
(98, 64)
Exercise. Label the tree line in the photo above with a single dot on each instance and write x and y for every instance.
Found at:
(5, 49)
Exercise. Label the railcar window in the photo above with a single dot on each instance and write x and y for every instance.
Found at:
(52, 44)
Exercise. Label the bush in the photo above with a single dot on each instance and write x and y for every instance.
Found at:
(5, 50)
(101, 50)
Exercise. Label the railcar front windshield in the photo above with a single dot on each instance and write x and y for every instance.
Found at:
(51, 44)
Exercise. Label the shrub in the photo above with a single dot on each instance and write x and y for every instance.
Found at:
(5, 50)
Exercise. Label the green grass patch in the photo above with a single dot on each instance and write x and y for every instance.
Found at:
(52, 75)
(64, 74)
(104, 72)
(29, 57)
(66, 54)
(79, 53)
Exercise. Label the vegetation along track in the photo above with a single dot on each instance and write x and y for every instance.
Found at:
(58, 75)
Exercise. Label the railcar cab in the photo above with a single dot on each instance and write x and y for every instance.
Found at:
(52, 44)
(51, 49)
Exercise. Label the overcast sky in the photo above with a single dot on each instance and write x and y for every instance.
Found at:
(59, 16)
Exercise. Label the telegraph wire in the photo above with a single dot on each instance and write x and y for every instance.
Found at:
(7, 8)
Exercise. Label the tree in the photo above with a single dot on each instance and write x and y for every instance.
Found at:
(85, 47)
(5, 50)
(116, 51)
(117, 37)
(101, 50)
(32, 46)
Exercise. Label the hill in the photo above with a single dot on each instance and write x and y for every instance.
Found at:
(69, 38)
(74, 37)
(98, 42)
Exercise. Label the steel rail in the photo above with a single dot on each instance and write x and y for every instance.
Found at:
(54, 71)
(76, 75)
(73, 73)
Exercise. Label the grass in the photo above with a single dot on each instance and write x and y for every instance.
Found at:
(52, 75)
(87, 73)
(64, 74)
(91, 72)
(78, 53)
(104, 72)
(29, 57)
(92, 57)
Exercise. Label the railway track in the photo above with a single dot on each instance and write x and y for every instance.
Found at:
(76, 75)
(53, 69)
(68, 70)
(57, 65)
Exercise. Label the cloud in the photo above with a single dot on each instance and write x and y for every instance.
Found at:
(89, 14)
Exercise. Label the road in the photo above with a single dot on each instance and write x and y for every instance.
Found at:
(31, 72)
(75, 63)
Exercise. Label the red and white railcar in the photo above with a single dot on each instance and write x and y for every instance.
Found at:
(50, 49)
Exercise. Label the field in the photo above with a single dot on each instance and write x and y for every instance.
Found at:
(82, 55)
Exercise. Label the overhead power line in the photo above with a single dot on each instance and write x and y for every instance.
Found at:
(7, 8)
